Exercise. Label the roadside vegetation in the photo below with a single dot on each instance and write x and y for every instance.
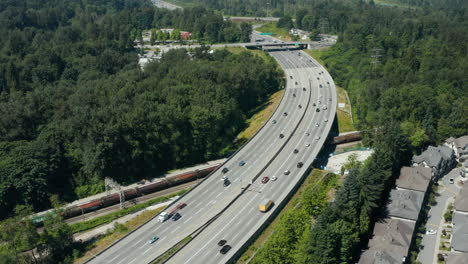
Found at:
(105, 219)
(272, 27)
(291, 225)
(85, 252)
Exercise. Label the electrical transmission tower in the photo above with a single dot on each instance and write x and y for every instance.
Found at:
(376, 59)
(324, 26)
(111, 184)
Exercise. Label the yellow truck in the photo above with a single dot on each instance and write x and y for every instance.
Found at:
(265, 205)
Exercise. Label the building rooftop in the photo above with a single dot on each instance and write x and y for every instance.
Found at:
(460, 232)
(461, 203)
(380, 256)
(457, 258)
(433, 156)
(414, 178)
(405, 204)
(461, 142)
(393, 232)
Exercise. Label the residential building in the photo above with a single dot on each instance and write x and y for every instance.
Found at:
(459, 146)
(390, 242)
(414, 178)
(460, 232)
(457, 258)
(440, 159)
(405, 204)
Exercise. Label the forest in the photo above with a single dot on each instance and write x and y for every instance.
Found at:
(75, 107)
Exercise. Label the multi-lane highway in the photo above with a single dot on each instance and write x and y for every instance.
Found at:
(242, 219)
(232, 210)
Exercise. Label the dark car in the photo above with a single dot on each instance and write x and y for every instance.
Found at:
(181, 205)
(320, 86)
(317, 110)
(303, 88)
(300, 106)
(225, 170)
(328, 82)
(225, 249)
(176, 217)
(296, 83)
(274, 121)
(314, 104)
(318, 78)
(281, 136)
(221, 243)
(300, 164)
(290, 76)
(296, 151)
(294, 95)
(242, 163)
(285, 113)
(226, 182)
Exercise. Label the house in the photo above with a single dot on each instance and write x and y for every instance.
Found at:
(390, 243)
(414, 178)
(456, 258)
(167, 30)
(460, 232)
(440, 159)
(461, 202)
(405, 204)
(459, 146)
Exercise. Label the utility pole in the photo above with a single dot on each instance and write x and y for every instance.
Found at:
(111, 184)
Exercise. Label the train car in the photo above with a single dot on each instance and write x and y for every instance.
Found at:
(153, 187)
(91, 206)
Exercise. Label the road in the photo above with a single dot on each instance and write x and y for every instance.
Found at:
(210, 198)
(242, 219)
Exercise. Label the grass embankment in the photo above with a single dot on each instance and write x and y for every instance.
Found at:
(344, 114)
(394, 3)
(119, 231)
(263, 113)
(105, 219)
(311, 197)
(271, 27)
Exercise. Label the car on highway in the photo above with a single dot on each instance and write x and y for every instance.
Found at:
(290, 76)
(300, 164)
(318, 78)
(317, 110)
(225, 249)
(328, 82)
(286, 172)
(222, 242)
(320, 86)
(153, 239)
(307, 144)
(273, 178)
(274, 121)
(296, 83)
(241, 163)
(294, 95)
(225, 170)
(317, 138)
(265, 179)
(307, 134)
(303, 89)
(317, 124)
(324, 107)
(281, 136)
(285, 113)
(296, 151)
(314, 104)
(325, 120)
(181, 205)
(176, 217)
(300, 106)
(226, 182)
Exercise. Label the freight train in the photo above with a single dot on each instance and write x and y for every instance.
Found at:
(129, 194)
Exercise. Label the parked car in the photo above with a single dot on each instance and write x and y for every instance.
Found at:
(317, 110)
(296, 83)
(307, 144)
(325, 120)
(318, 78)
(320, 86)
(324, 107)
(281, 136)
(317, 124)
(153, 239)
(290, 76)
(285, 113)
(225, 249)
(303, 88)
(300, 106)
(265, 179)
(222, 242)
(274, 122)
(317, 138)
(430, 232)
(451, 180)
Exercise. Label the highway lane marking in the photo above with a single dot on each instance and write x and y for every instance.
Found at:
(188, 219)
(132, 260)
(175, 229)
(218, 195)
(225, 226)
(234, 237)
(114, 258)
(146, 250)
(198, 211)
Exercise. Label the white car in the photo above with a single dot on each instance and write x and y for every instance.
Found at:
(317, 124)
(451, 180)
(317, 138)
(325, 120)
(307, 144)
(430, 232)
(274, 178)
